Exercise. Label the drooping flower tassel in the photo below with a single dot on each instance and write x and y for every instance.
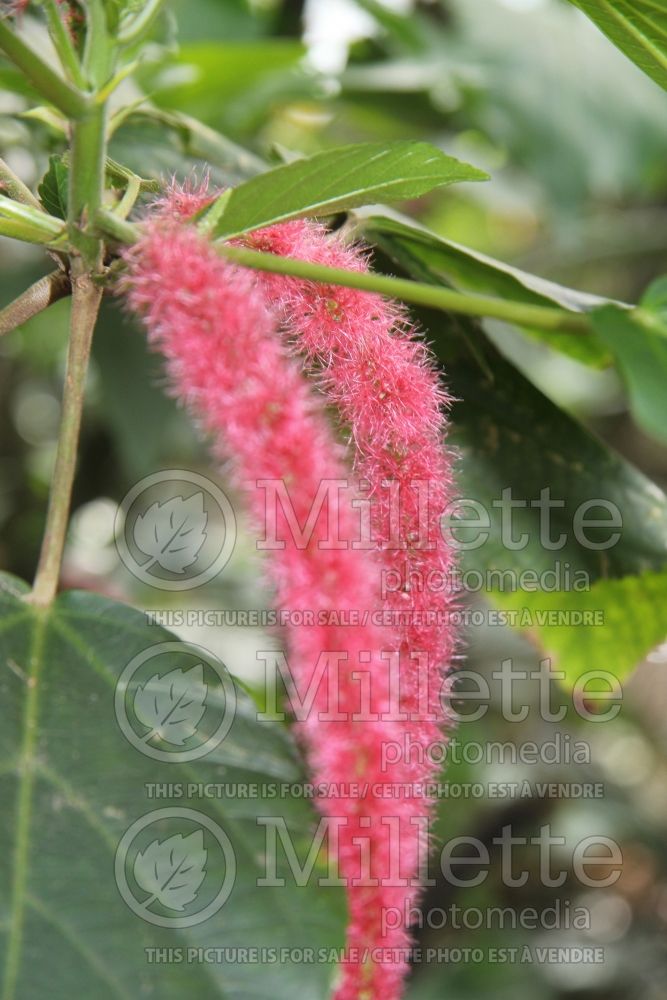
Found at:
(387, 391)
(381, 380)
(226, 361)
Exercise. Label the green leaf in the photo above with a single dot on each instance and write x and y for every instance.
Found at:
(467, 270)
(638, 341)
(637, 27)
(655, 298)
(340, 179)
(612, 626)
(154, 142)
(509, 435)
(72, 785)
(53, 187)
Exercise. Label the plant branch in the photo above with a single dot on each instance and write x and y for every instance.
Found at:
(118, 229)
(128, 201)
(23, 222)
(86, 184)
(15, 188)
(86, 298)
(34, 300)
(98, 52)
(63, 44)
(86, 188)
(418, 293)
(50, 84)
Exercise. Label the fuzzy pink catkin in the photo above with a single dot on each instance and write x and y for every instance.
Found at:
(227, 362)
(387, 391)
(385, 387)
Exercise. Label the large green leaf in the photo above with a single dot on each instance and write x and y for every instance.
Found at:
(337, 180)
(638, 341)
(612, 626)
(470, 270)
(511, 436)
(72, 785)
(637, 27)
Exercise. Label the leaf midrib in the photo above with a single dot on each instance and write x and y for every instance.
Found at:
(29, 769)
(26, 781)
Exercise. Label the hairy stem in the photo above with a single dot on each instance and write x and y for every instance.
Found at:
(86, 298)
(34, 300)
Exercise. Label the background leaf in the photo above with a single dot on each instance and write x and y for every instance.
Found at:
(467, 269)
(338, 180)
(625, 620)
(638, 341)
(510, 435)
(637, 27)
(84, 784)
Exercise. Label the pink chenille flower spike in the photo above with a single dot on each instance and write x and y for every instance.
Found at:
(226, 360)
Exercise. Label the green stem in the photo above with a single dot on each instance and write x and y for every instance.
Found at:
(86, 188)
(118, 229)
(20, 231)
(21, 221)
(86, 184)
(15, 188)
(86, 298)
(433, 296)
(63, 43)
(418, 293)
(98, 52)
(50, 84)
(128, 201)
(34, 300)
